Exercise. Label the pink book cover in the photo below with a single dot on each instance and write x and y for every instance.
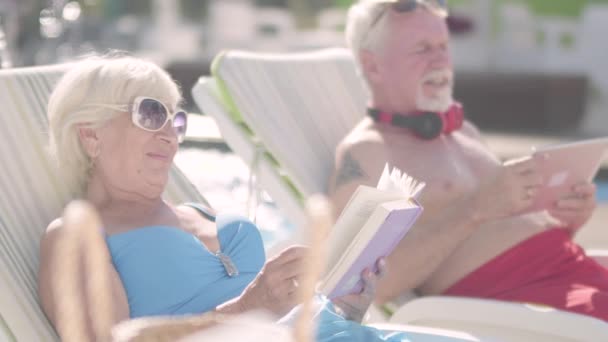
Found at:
(395, 226)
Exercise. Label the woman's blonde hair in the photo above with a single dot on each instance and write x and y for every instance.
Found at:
(115, 80)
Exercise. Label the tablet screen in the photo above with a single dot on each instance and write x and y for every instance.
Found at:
(565, 165)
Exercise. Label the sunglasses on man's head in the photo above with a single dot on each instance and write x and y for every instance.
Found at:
(403, 6)
(410, 5)
(151, 115)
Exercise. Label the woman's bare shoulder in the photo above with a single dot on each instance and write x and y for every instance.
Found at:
(50, 237)
(52, 231)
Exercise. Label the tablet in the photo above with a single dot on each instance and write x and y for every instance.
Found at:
(563, 166)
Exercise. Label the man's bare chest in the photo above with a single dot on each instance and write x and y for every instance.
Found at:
(451, 166)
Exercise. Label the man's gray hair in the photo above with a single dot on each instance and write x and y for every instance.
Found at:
(360, 35)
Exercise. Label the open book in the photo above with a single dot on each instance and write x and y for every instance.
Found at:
(370, 226)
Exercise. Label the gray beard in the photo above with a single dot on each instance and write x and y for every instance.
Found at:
(438, 104)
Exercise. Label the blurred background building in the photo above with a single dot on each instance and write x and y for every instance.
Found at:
(530, 66)
(527, 71)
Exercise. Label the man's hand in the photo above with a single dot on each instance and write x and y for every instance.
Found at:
(576, 207)
(510, 191)
(355, 306)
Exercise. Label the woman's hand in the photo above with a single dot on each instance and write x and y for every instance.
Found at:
(276, 285)
(354, 306)
(575, 208)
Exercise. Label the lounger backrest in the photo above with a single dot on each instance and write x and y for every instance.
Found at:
(31, 195)
(298, 105)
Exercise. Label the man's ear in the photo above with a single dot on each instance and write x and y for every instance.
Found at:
(369, 65)
(89, 140)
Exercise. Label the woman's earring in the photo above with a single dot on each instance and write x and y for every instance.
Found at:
(97, 152)
(93, 158)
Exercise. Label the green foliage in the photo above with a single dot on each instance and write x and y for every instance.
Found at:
(271, 3)
(561, 8)
(558, 8)
(343, 3)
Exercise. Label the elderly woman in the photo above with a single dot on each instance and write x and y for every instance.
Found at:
(115, 126)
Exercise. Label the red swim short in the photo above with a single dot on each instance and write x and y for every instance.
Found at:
(549, 269)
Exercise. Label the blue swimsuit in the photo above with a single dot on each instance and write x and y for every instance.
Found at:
(167, 271)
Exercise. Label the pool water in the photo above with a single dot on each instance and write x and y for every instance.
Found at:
(602, 191)
(223, 178)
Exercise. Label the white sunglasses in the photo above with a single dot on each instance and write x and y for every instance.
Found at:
(151, 115)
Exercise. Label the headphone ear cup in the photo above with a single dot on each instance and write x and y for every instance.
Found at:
(453, 118)
(426, 125)
(431, 126)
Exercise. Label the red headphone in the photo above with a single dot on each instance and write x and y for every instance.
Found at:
(426, 125)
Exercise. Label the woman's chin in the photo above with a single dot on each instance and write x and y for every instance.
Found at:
(155, 186)
(153, 193)
(157, 166)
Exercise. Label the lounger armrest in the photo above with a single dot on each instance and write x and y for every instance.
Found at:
(495, 318)
(599, 255)
(205, 95)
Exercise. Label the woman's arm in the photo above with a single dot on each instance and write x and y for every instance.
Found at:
(53, 265)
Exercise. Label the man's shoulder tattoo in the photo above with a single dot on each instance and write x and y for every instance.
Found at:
(349, 171)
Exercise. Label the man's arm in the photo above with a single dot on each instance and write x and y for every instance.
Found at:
(424, 248)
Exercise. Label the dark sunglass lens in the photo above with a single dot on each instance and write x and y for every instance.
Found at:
(152, 114)
(405, 5)
(180, 123)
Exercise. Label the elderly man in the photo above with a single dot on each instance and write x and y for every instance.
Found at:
(473, 239)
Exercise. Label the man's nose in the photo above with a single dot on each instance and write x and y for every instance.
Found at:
(442, 58)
